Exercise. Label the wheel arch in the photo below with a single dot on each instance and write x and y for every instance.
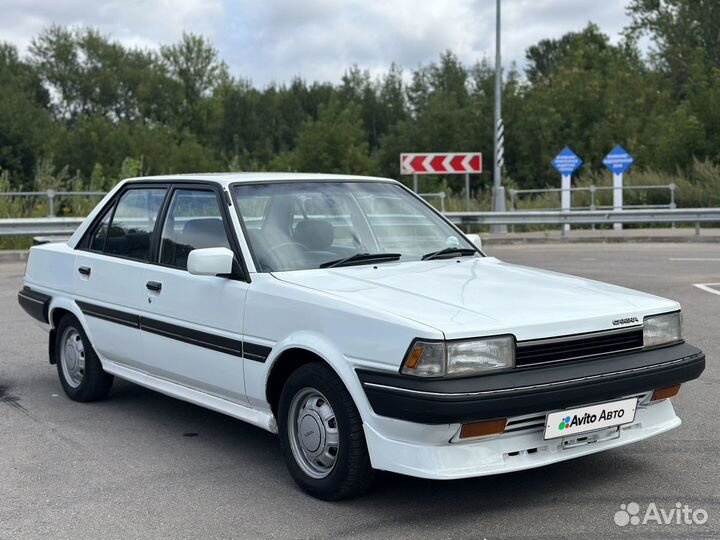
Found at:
(59, 307)
(299, 351)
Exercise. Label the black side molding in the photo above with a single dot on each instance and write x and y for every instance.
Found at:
(35, 303)
(253, 351)
(235, 347)
(193, 337)
(110, 315)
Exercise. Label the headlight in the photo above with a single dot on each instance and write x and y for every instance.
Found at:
(460, 357)
(662, 329)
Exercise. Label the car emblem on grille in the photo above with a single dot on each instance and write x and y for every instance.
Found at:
(628, 320)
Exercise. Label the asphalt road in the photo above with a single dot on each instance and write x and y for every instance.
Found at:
(142, 465)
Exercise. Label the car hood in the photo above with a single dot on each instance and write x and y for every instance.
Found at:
(483, 296)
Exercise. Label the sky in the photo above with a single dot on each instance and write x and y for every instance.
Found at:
(276, 40)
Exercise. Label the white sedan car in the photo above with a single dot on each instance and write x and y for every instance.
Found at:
(349, 317)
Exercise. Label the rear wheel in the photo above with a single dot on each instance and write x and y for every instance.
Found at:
(321, 435)
(81, 374)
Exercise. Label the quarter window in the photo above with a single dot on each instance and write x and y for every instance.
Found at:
(193, 222)
(130, 233)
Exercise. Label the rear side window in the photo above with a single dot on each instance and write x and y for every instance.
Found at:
(131, 230)
(193, 222)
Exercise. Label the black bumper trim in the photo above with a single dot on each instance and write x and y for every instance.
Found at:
(35, 303)
(529, 391)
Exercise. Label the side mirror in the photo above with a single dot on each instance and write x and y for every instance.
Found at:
(210, 261)
(476, 240)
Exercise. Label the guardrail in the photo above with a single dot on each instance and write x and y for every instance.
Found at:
(588, 217)
(698, 216)
(39, 226)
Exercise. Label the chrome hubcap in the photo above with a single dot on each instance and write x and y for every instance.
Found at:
(72, 357)
(313, 433)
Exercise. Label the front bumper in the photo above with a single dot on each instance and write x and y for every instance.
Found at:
(509, 452)
(529, 390)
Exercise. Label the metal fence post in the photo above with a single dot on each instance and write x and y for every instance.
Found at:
(512, 206)
(51, 202)
(467, 192)
(592, 201)
(672, 188)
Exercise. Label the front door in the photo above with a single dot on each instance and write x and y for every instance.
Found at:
(192, 325)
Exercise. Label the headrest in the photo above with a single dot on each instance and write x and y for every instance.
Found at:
(314, 234)
(204, 233)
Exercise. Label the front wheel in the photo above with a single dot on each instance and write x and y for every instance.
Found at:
(81, 374)
(321, 435)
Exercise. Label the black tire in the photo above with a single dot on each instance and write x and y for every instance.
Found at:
(95, 384)
(351, 474)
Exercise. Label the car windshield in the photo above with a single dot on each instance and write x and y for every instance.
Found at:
(303, 225)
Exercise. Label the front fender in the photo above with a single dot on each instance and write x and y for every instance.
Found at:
(257, 375)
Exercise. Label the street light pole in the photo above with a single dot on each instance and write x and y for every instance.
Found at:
(499, 139)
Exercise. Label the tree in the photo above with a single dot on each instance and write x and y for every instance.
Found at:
(680, 30)
(25, 124)
(334, 143)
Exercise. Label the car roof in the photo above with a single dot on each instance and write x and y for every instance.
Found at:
(225, 179)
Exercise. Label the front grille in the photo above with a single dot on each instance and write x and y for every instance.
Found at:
(578, 346)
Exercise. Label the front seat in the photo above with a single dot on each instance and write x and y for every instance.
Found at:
(314, 234)
(204, 233)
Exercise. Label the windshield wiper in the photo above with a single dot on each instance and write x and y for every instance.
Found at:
(361, 258)
(449, 251)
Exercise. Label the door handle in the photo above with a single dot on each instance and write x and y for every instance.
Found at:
(154, 286)
(85, 270)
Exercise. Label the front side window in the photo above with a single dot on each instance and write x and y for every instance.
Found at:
(193, 222)
(304, 225)
(131, 230)
(97, 241)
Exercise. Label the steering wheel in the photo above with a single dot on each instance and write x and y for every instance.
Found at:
(273, 253)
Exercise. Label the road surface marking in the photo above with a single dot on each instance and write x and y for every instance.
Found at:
(695, 259)
(708, 287)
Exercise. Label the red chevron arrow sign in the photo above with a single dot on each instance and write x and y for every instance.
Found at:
(441, 163)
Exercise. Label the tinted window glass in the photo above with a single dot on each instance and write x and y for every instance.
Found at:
(130, 233)
(193, 222)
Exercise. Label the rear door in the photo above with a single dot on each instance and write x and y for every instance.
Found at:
(110, 272)
(193, 324)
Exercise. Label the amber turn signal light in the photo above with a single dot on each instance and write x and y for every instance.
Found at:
(664, 393)
(481, 429)
(414, 358)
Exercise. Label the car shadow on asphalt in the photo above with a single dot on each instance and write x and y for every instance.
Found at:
(556, 483)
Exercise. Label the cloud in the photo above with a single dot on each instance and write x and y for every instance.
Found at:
(319, 39)
(143, 23)
(276, 40)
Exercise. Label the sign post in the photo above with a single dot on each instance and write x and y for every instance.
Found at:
(466, 163)
(618, 161)
(566, 163)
